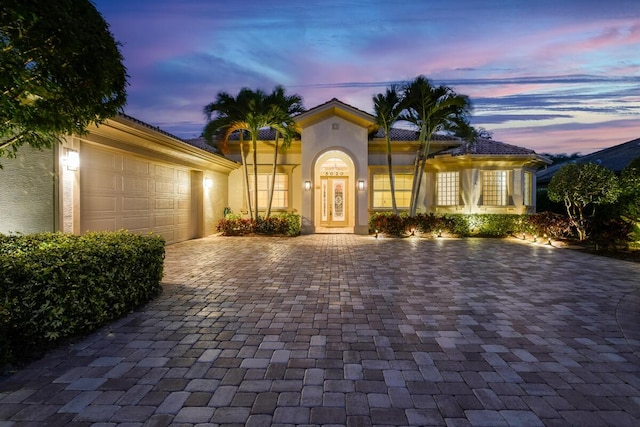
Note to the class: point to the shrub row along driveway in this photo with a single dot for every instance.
(350, 330)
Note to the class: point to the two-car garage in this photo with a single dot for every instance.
(122, 191)
(135, 177)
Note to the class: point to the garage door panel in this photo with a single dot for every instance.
(135, 184)
(135, 203)
(101, 159)
(164, 220)
(101, 203)
(164, 172)
(136, 223)
(135, 166)
(161, 204)
(98, 180)
(164, 188)
(100, 224)
(125, 191)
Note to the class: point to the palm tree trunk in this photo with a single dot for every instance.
(423, 164)
(392, 184)
(245, 174)
(273, 177)
(417, 178)
(254, 143)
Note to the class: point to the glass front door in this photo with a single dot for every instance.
(334, 201)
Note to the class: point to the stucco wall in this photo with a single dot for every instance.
(215, 200)
(27, 198)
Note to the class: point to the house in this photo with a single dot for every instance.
(614, 158)
(335, 175)
(134, 176)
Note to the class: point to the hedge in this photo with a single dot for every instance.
(283, 224)
(55, 286)
(466, 225)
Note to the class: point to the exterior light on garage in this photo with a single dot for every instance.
(208, 183)
(361, 184)
(307, 185)
(71, 160)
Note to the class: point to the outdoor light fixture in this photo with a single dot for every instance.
(71, 160)
(307, 185)
(361, 184)
(208, 183)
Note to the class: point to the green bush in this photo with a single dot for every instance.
(389, 223)
(550, 224)
(462, 225)
(283, 224)
(54, 286)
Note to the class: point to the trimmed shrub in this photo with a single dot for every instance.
(389, 223)
(54, 286)
(550, 223)
(462, 225)
(283, 224)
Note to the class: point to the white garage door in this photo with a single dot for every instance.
(121, 191)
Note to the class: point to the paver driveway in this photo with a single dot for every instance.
(350, 330)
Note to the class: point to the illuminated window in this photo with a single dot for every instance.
(280, 190)
(382, 190)
(494, 188)
(447, 188)
(528, 188)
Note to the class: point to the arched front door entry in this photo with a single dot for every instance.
(335, 201)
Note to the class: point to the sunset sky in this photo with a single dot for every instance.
(557, 76)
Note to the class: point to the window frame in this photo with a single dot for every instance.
(499, 188)
(385, 178)
(449, 187)
(266, 170)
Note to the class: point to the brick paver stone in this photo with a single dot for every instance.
(346, 330)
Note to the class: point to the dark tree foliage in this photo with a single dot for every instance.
(580, 186)
(60, 71)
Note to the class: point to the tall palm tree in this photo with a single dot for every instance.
(432, 109)
(387, 108)
(288, 106)
(221, 115)
(249, 112)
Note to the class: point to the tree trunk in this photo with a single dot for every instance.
(273, 177)
(423, 164)
(254, 143)
(392, 184)
(245, 174)
(417, 176)
(414, 185)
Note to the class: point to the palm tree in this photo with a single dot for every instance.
(288, 106)
(432, 109)
(387, 108)
(221, 115)
(249, 112)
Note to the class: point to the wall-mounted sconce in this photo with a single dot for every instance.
(71, 159)
(208, 183)
(307, 185)
(361, 184)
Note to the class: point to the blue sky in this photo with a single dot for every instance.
(557, 76)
